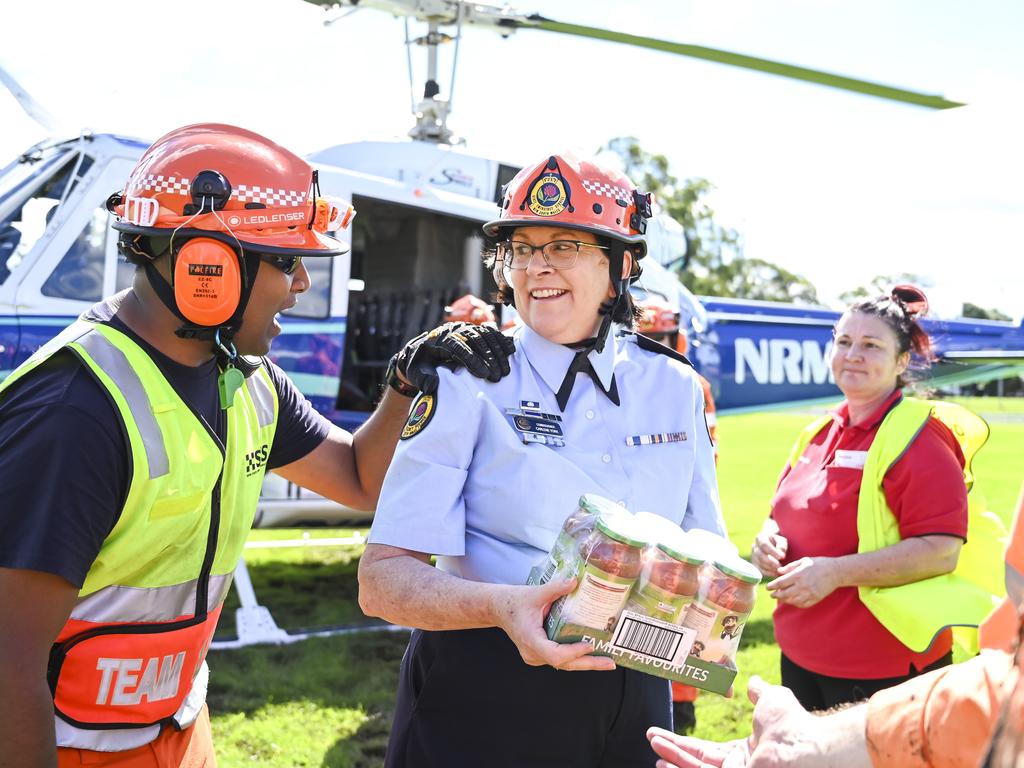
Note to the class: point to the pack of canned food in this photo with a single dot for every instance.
(651, 596)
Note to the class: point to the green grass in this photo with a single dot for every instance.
(321, 702)
(304, 587)
(328, 701)
(1000, 464)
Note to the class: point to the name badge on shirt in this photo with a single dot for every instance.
(850, 459)
(536, 427)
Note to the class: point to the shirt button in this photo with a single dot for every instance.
(606, 458)
(590, 414)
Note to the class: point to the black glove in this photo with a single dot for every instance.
(481, 349)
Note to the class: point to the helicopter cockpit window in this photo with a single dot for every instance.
(21, 229)
(79, 275)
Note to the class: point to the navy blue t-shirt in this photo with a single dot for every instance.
(65, 462)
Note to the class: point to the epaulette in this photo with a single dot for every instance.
(650, 345)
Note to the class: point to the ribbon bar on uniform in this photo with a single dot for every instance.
(662, 437)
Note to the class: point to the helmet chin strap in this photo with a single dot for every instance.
(609, 306)
(606, 311)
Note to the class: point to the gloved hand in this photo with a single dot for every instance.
(482, 350)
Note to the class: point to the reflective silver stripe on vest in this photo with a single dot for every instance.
(114, 363)
(131, 604)
(106, 740)
(262, 397)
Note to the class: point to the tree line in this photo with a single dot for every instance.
(715, 264)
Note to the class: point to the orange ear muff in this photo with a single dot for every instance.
(207, 281)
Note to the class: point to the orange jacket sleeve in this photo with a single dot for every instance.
(942, 719)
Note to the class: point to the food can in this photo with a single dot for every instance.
(728, 587)
(612, 558)
(577, 528)
(669, 581)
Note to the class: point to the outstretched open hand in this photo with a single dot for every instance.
(781, 737)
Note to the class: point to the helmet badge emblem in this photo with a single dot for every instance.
(548, 195)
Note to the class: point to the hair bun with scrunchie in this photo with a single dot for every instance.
(911, 298)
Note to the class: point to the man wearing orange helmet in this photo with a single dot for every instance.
(588, 407)
(133, 448)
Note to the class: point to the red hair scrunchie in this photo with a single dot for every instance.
(912, 298)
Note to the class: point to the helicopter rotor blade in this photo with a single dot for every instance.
(32, 107)
(768, 66)
(506, 20)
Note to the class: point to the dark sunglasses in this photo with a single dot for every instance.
(286, 263)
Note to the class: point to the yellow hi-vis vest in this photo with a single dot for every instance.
(131, 657)
(917, 612)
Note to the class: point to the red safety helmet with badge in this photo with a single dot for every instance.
(224, 199)
(565, 191)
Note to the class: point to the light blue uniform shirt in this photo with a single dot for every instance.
(468, 489)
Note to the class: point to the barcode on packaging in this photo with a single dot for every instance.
(653, 639)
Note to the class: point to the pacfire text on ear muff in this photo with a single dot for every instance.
(207, 281)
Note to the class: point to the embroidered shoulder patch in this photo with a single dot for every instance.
(419, 416)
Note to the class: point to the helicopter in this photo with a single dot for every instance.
(415, 247)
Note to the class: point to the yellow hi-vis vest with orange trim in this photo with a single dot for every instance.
(131, 657)
(917, 612)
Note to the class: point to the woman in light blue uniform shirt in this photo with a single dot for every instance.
(486, 473)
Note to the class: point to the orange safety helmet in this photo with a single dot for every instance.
(222, 195)
(564, 191)
(658, 317)
(187, 177)
(470, 309)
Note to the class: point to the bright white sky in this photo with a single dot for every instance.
(834, 186)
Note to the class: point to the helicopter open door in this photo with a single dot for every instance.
(409, 264)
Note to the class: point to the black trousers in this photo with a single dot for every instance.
(465, 698)
(818, 692)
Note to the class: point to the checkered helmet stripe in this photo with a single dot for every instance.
(159, 183)
(607, 190)
(273, 198)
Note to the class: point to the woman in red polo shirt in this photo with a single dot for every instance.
(834, 650)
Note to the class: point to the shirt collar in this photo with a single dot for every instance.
(552, 360)
(842, 413)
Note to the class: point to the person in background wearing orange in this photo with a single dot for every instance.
(660, 321)
(470, 309)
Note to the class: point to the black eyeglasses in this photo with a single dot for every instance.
(558, 254)
(287, 263)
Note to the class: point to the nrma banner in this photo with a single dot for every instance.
(767, 355)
